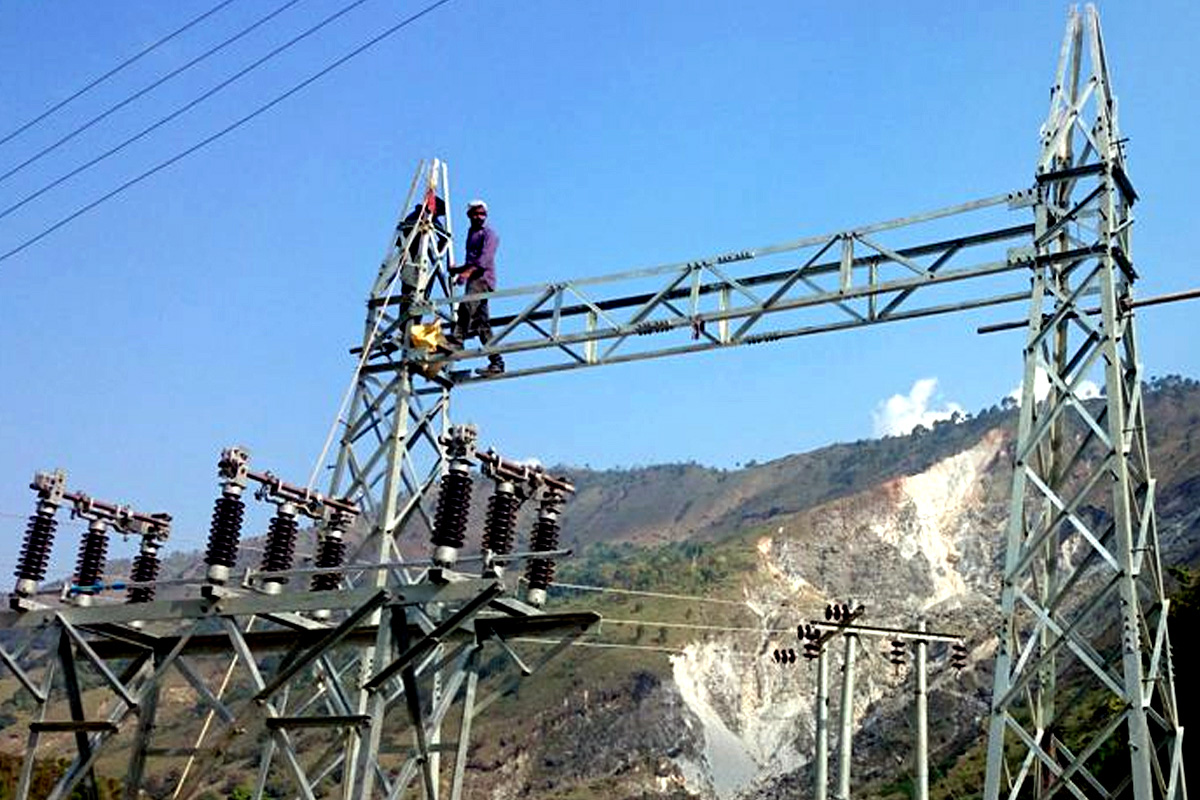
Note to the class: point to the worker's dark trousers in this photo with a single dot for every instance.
(474, 319)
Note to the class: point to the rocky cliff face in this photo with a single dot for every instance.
(924, 544)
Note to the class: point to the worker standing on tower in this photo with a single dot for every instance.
(478, 272)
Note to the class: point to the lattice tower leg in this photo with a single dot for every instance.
(1083, 699)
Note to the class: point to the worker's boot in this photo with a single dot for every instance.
(495, 367)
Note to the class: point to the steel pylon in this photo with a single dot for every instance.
(362, 685)
(1083, 699)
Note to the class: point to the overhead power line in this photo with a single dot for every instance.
(115, 70)
(154, 85)
(227, 129)
(650, 623)
(662, 595)
(185, 107)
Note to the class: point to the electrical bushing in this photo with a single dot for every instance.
(331, 552)
(454, 498)
(93, 555)
(39, 533)
(225, 533)
(539, 574)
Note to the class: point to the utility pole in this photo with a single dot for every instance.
(922, 753)
(821, 759)
(846, 728)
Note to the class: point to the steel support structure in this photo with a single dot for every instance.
(1083, 699)
(403, 637)
(355, 688)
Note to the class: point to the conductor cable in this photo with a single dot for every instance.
(227, 129)
(144, 90)
(187, 107)
(96, 82)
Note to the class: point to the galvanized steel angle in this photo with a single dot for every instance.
(659, 298)
(1147, 537)
(1092, 146)
(265, 709)
(11, 662)
(98, 663)
(661, 295)
(785, 286)
(552, 291)
(1067, 121)
(1081, 648)
(554, 337)
(100, 742)
(435, 636)
(1040, 432)
(1075, 521)
(205, 693)
(1065, 219)
(511, 683)
(1153, 670)
(373, 395)
(1078, 763)
(734, 284)
(299, 658)
(1046, 529)
(892, 255)
(1034, 750)
(835, 297)
(938, 263)
(1067, 307)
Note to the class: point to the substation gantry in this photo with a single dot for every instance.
(1083, 603)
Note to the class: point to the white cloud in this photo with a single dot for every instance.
(1085, 390)
(899, 414)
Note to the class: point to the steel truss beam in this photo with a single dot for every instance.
(843, 280)
(1084, 699)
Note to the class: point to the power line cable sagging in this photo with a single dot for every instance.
(208, 139)
(140, 93)
(97, 81)
(186, 107)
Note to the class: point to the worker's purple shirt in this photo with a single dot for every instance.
(482, 244)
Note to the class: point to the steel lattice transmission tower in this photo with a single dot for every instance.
(1084, 659)
(390, 450)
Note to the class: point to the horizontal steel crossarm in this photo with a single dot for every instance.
(303, 658)
(435, 636)
(887, 633)
(776, 302)
(786, 247)
(719, 316)
(770, 336)
(569, 637)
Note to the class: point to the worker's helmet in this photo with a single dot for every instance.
(477, 204)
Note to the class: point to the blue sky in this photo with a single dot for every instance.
(215, 302)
